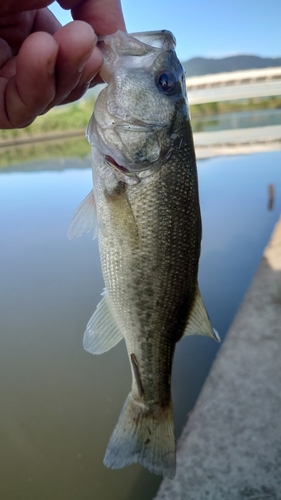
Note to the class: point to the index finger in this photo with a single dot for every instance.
(105, 16)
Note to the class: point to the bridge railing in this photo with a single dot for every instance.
(234, 85)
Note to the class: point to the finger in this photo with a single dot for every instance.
(16, 6)
(46, 21)
(33, 87)
(105, 16)
(5, 54)
(77, 61)
(86, 79)
(15, 27)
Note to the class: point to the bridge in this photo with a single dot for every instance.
(234, 85)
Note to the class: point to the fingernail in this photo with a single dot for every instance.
(83, 62)
(51, 64)
(93, 66)
(87, 56)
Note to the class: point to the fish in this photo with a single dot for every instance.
(144, 209)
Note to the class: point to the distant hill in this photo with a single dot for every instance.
(203, 66)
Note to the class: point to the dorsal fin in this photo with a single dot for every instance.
(198, 321)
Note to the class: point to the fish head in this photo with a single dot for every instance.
(137, 120)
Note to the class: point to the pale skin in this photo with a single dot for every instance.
(43, 64)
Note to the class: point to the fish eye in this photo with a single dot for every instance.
(166, 80)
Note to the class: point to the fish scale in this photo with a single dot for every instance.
(145, 206)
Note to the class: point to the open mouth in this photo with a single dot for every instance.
(111, 160)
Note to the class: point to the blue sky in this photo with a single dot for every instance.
(208, 28)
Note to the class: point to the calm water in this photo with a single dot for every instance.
(59, 404)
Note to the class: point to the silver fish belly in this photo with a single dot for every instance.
(144, 207)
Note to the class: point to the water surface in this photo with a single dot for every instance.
(59, 404)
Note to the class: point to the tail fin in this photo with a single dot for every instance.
(143, 436)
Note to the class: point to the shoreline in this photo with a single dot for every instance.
(207, 144)
(48, 136)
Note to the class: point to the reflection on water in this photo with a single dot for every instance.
(18, 154)
(59, 404)
(231, 121)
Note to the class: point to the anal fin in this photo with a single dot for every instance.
(199, 322)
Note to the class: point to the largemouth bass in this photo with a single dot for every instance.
(144, 207)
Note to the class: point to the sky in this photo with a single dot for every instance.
(206, 28)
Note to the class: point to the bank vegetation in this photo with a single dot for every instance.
(43, 137)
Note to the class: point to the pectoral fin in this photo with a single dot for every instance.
(101, 333)
(199, 322)
(84, 218)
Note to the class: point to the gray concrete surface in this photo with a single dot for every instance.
(230, 448)
(237, 141)
(252, 135)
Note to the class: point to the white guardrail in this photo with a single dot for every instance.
(234, 85)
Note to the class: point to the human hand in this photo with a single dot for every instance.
(43, 64)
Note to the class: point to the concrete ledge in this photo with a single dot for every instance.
(233, 149)
(238, 136)
(230, 448)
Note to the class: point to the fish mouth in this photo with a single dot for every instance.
(118, 44)
(111, 160)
